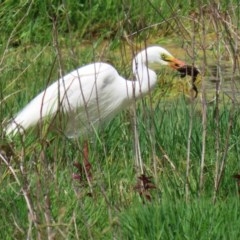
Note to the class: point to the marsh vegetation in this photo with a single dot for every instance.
(190, 147)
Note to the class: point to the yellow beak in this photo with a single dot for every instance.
(175, 63)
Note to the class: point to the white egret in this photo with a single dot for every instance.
(93, 93)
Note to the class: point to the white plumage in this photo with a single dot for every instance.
(92, 94)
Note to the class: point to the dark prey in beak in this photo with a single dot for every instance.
(191, 71)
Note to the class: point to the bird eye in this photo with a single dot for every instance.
(164, 57)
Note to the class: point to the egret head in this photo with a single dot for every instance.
(155, 56)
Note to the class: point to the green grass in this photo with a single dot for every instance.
(175, 219)
(40, 170)
(115, 209)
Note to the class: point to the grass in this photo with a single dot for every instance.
(38, 197)
(175, 219)
(115, 209)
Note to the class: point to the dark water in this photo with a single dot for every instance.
(224, 80)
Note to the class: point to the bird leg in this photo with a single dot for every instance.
(85, 168)
(86, 164)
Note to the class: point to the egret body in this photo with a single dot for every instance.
(93, 93)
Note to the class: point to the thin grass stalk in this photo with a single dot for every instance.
(203, 105)
(204, 135)
(151, 129)
(189, 141)
(153, 146)
(45, 193)
(225, 153)
(59, 59)
(214, 10)
(75, 226)
(48, 217)
(33, 217)
(217, 145)
(137, 149)
(188, 160)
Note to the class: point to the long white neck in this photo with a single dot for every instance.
(145, 78)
